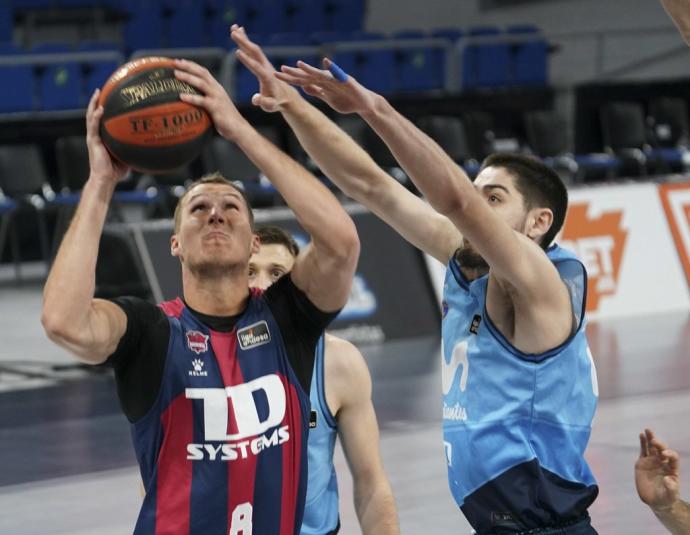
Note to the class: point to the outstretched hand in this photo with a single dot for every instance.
(657, 473)
(101, 164)
(341, 92)
(273, 94)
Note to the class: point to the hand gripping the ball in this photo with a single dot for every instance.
(102, 165)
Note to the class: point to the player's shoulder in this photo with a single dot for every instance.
(343, 358)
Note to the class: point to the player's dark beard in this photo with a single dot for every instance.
(470, 259)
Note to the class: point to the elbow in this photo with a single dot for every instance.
(56, 328)
(349, 245)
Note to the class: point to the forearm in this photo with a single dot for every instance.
(342, 160)
(679, 11)
(375, 507)
(71, 283)
(676, 519)
(316, 208)
(438, 177)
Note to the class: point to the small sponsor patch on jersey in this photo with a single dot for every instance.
(197, 342)
(253, 336)
(312, 420)
(444, 309)
(474, 326)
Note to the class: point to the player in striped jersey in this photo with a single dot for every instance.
(215, 385)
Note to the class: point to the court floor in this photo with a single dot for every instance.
(67, 467)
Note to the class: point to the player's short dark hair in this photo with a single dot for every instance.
(540, 186)
(213, 178)
(272, 235)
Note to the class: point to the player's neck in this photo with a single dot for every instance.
(217, 296)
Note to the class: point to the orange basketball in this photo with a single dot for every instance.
(144, 123)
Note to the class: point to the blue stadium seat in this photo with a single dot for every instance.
(144, 28)
(451, 34)
(19, 95)
(375, 69)
(60, 86)
(8, 49)
(98, 46)
(96, 74)
(529, 63)
(305, 16)
(184, 28)
(22, 5)
(319, 38)
(343, 15)
(288, 39)
(419, 69)
(59, 83)
(5, 23)
(485, 64)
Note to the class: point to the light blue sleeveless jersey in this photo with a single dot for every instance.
(515, 425)
(321, 514)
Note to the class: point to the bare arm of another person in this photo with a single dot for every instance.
(657, 478)
(325, 269)
(679, 11)
(349, 166)
(87, 327)
(516, 261)
(348, 385)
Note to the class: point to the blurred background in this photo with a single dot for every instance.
(599, 90)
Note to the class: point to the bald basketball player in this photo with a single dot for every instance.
(214, 384)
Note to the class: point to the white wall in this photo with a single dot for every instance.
(582, 56)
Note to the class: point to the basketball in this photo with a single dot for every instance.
(145, 124)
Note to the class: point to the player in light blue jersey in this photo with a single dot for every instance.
(519, 384)
(341, 406)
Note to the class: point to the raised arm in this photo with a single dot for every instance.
(679, 11)
(348, 382)
(87, 327)
(349, 166)
(325, 270)
(514, 258)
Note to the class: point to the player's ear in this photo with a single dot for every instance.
(539, 222)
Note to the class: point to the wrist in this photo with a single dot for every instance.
(667, 509)
(375, 107)
(236, 130)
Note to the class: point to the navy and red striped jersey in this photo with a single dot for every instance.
(222, 450)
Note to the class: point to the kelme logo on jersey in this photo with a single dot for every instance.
(197, 342)
(254, 336)
(198, 369)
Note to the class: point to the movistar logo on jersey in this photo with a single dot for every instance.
(254, 336)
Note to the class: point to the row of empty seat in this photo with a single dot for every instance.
(55, 76)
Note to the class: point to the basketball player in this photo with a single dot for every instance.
(518, 380)
(215, 385)
(657, 478)
(340, 405)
